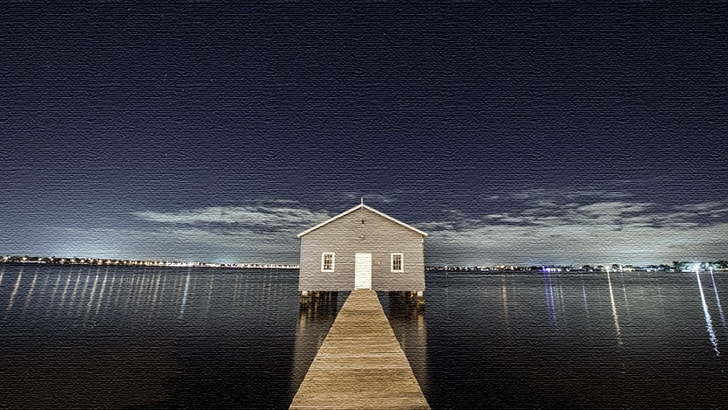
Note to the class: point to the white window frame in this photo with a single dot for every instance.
(401, 262)
(323, 262)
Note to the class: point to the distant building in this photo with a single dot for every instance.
(362, 248)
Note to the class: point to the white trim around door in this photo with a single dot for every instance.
(363, 271)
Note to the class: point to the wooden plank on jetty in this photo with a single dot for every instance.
(360, 364)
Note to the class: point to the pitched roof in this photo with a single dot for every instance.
(361, 206)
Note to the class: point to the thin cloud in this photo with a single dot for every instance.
(254, 232)
(705, 206)
(614, 207)
(591, 231)
(598, 244)
(269, 218)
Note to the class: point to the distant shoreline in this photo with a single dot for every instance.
(688, 267)
(35, 260)
(676, 266)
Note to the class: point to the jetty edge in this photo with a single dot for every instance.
(360, 364)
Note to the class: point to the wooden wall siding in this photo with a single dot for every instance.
(348, 235)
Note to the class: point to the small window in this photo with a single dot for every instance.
(397, 262)
(327, 262)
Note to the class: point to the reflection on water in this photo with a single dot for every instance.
(111, 336)
(406, 314)
(599, 340)
(105, 336)
(316, 314)
(615, 315)
(586, 302)
(15, 291)
(504, 299)
(717, 299)
(89, 291)
(551, 292)
(184, 295)
(708, 319)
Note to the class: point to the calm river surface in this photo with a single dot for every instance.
(81, 336)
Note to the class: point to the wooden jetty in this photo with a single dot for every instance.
(360, 364)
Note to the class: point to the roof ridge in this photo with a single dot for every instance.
(360, 206)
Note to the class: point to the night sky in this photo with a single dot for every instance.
(545, 133)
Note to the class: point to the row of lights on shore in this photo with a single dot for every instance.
(117, 262)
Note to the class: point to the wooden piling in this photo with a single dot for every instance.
(360, 364)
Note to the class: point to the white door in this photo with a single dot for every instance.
(363, 271)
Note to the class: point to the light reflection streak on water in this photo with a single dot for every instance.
(149, 291)
(163, 280)
(44, 286)
(659, 295)
(184, 296)
(236, 290)
(156, 289)
(140, 291)
(83, 293)
(145, 291)
(708, 320)
(55, 290)
(111, 291)
(142, 294)
(30, 291)
(14, 292)
(147, 306)
(130, 294)
(101, 292)
(117, 289)
(92, 295)
(550, 304)
(717, 299)
(177, 287)
(65, 288)
(209, 293)
(624, 293)
(75, 289)
(586, 303)
(614, 311)
(76, 303)
(504, 297)
(155, 295)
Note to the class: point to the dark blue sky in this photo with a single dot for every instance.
(538, 133)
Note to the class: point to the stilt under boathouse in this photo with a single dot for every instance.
(362, 248)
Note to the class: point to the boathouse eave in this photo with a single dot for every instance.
(361, 206)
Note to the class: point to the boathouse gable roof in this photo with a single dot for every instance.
(361, 206)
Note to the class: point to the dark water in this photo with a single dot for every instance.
(577, 340)
(74, 336)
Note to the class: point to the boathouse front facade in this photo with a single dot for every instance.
(362, 248)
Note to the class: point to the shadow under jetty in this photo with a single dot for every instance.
(406, 313)
(317, 312)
